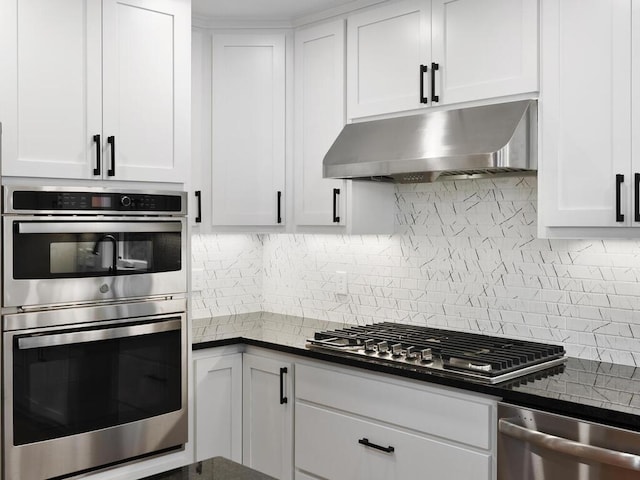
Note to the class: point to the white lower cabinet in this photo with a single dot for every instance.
(267, 435)
(361, 426)
(218, 405)
(341, 446)
(349, 424)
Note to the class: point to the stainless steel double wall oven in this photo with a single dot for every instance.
(94, 328)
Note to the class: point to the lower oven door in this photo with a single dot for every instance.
(82, 395)
(535, 445)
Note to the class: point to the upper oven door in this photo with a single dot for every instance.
(67, 260)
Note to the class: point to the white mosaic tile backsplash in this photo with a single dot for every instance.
(465, 256)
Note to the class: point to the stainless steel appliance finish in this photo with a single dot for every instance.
(474, 357)
(94, 328)
(535, 445)
(59, 401)
(463, 143)
(91, 245)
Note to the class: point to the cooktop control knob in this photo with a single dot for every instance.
(369, 346)
(125, 201)
(411, 353)
(425, 355)
(383, 347)
(396, 349)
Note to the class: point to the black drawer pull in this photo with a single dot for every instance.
(279, 207)
(96, 139)
(199, 197)
(637, 196)
(367, 443)
(423, 70)
(619, 182)
(112, 141)
(336, 217)
(434, 67)
(283, 399)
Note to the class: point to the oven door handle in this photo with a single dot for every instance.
(57, 339)
(570, 447)
(97, 227)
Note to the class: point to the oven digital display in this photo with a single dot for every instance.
(100, 201)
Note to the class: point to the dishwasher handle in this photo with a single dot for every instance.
(569, 447)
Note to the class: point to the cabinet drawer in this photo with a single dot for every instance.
(328, 444)
(445, 414)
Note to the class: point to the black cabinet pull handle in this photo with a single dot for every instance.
(336, 218)
(367, 443)
(279, 207)
(637, 196)
(283, 399)
(423, 70)
(96, 139)
(112, 141)
(198, 218)
(619, 182)
(434, 68)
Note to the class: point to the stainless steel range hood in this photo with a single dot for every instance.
(463, 143)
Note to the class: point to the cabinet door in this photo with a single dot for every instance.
(200, 213)
(248, 127)
(218, 412)
(50, 87)
(385, 48)
(635, 107)
(485, 48)
(268, 416)
(319, 118)
(146, 89)
(585, 112)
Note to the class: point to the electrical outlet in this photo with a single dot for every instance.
(341, 283)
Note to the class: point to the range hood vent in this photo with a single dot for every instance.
(472, 142)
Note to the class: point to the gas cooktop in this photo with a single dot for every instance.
(475, 357)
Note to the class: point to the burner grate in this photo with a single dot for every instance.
(482, 354)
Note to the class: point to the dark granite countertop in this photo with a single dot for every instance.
(587, 389)
(217, 468)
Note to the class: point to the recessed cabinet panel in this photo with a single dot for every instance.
(385, 48)
(218, 407)
(320, 111)
(343, 447)
(146, 106)
(50, 87)
(268, 416)
(635, 106)
(485, 48)
(585, 114)
(248, 129)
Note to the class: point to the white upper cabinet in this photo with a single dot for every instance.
(248, 129)
(386, 47)
(50, 87)
(585, 177)
(484, 49)
(319, 118)
(146, 65)
(81, 77)
(343, 205)
(419, 53)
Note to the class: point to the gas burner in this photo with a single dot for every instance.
(480, 358)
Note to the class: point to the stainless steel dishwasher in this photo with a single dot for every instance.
(535, 445)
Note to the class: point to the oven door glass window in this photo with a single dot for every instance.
(44, 255)
(66, 389)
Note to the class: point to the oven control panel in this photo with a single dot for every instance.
(53, 201)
